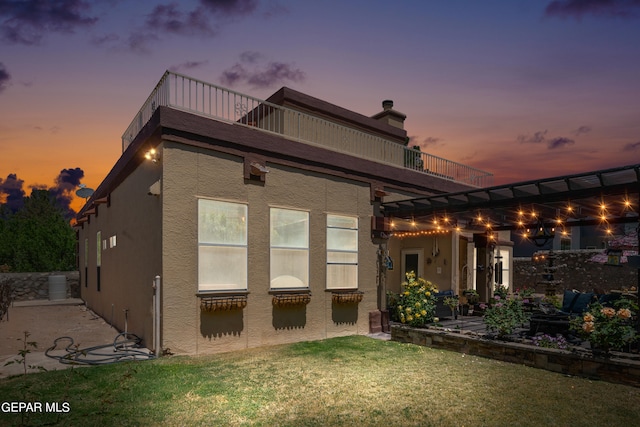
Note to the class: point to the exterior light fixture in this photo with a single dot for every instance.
(542, 234)
(152, 155)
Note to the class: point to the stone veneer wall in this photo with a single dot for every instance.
(34, 286)
(579, 273)
(584, 364)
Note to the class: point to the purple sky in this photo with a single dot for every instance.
(524, 89)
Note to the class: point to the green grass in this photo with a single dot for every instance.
(342, 381)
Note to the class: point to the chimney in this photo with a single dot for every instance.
(390, 116)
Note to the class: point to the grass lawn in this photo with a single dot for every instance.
(341, 381)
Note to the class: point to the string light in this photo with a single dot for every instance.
(403, 234)
(443, 223)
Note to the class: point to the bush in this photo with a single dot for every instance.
(608, 328)
(417, 302)
(504, 315)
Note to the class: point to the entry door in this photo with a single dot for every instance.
(412, 260)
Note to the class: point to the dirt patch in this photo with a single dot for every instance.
(45, 323)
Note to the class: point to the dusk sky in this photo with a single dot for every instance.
(524, 89)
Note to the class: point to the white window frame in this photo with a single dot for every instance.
(335, 251)
(222, 255)
(294, 272)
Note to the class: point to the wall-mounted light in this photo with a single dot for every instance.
(152, 155)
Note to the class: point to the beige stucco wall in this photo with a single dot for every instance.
(191, 173)
(438, 269)
(128, 269)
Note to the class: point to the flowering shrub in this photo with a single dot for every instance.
(607, 328)
(417, 301)
(525, 292)
(504, 315)
(548, 341)
(501, 291)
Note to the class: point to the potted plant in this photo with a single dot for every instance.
(452, 303)
(472, 296)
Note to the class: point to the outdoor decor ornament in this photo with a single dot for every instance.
(541, 235)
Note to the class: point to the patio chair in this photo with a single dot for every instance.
(442, 310)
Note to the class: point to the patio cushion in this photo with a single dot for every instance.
(447, 293)
(568, 300)
(608, 299)
(576, 302)
(582, 302)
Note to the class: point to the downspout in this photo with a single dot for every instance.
(156, 322)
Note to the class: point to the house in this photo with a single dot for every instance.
(231, 222)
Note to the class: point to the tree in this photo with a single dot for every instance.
(37, 237)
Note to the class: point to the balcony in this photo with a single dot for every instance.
(205, 99)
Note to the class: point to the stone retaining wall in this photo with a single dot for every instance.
(579, 273)
(34, 286)
(583, 364)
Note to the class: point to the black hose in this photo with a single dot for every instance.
(126, 346)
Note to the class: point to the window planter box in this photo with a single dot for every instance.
(353, 297)
(291, 299)
(223, 303)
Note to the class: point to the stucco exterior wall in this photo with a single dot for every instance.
(193, 173)
(128, 269)
(438, 269)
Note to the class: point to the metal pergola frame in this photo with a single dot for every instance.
(609, 196)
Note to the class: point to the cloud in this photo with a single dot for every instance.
(578, 8)
(63, 190)
(559, 143)
(275, 73)
(429, 141)
(139, 41)
(27, 22)
(188, 65)
(168, 18)
(4, 77)
(171, 18)
(260, 77)
(632, 146)
(12, 192)
(105, 39)
(581, 130)
(536, 138)
(231, 7)
(250, 57)
(233, 75)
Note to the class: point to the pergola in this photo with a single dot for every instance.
(539, 208)
(609, 196)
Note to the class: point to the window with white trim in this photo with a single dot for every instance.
(289, 248)
(342, 252)
(222, 245)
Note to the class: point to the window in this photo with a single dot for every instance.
(501, 268)
(98, 258)
(86, 262)
(112, 241)
(222, 246)
(289, 252)
(342, 252)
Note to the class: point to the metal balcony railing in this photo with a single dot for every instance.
(208, 100)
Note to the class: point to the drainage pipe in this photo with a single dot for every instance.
(156, 312)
